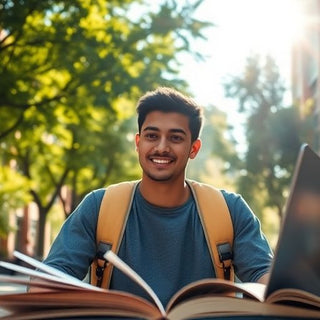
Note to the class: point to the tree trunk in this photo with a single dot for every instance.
(41, 233)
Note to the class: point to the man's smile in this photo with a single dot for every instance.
(161, 161)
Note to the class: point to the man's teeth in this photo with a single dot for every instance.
(160, 161)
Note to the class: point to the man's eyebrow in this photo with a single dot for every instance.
(173, 130)
(178, 131)
(151, 129)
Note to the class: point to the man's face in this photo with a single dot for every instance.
(164, 146)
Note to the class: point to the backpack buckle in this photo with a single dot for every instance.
(103, 247)
(225, 256)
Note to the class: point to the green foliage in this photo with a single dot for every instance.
(14, 193)
(222, 139)
(217, 162)
(274, 134)
(71, 72)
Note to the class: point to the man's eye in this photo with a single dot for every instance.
(176, 138)
(151, 136)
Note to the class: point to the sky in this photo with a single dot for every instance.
(243, 27)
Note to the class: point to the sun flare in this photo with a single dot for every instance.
(266, 26)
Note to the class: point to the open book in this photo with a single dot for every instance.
(293, 290)
(65, 296)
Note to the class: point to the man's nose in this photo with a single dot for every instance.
(162, 145)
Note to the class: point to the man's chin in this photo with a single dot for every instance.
(159, 178)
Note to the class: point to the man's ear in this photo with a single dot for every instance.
(195, 147)
(137, 139)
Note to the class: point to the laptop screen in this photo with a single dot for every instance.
(297, 257)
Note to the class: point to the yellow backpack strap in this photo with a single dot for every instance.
(217, 225)
(114, 211)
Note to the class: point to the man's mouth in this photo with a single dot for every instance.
(161, 161)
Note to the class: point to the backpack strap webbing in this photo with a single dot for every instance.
(217, 225)
(114, 211)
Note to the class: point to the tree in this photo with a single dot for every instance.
(274, 133)
(217, 162)
(71, 72)
(13, 194)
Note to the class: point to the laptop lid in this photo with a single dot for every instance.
(297, 257)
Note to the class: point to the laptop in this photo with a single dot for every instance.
(297, 257)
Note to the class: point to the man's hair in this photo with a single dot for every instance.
(166, 99)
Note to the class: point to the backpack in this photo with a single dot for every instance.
(114, 211)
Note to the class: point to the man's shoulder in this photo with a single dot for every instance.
(118, 185)
(94, 197)
(228, 194)
(234, 200)
(122, 184)
(97, 192)
(114, 190)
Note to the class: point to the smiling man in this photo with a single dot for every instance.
(164, 146)
(163, 240)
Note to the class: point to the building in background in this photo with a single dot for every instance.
(306, 66)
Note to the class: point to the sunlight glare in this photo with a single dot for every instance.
(242, 28)
(270, 27)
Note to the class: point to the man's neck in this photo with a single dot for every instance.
(165, 194)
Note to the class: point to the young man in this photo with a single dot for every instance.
(163, 240)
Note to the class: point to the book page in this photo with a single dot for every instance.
(292, 295)
(111, 302)
(218, 287)
(45, 276)
(43, 267)
(36, 282)
(53, 271)
(230, 307)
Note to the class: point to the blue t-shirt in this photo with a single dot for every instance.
(165, 246)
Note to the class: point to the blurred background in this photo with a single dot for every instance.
(71, 73)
